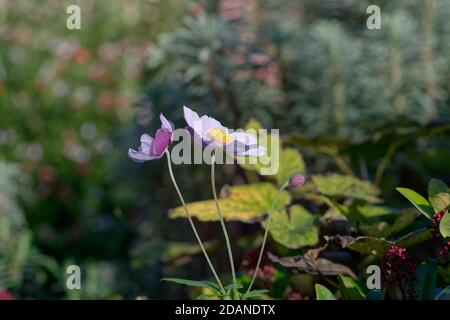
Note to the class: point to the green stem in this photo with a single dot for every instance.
(222, 223)
(265, 238)
(169, 164)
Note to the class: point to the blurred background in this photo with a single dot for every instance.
(374, 103)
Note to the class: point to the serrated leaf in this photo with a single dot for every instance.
(444, 225)
(293, 230)
(342, 186)
(426, 280)
(194, 283)
(322, 293)
(383, 229)
(245, 203)
(418, 201)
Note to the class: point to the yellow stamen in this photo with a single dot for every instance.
(220, 136)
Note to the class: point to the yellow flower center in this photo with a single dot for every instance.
(220, 136)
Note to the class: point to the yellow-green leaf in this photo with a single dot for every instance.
(293, 230)
(342, 186)
(323, 293)
(285, 161)
(291, 162)
(444, 225)
(440, 201)
(438, 194)
(267, 164)
(246, 203)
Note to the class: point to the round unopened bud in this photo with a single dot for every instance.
(296, 180)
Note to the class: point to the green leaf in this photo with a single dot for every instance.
(415, 237)
(342, 186)
(418, 201)
(287, 160)
(322, 293)
(444, 272)
(440, 201)
(444, 294)
(444, 225)
(291, 162)
(366, 245)
(369, 213)
(145, 252)
(272, 157)
(257, 293)
(383, 229)
(246, 203)
(231, 286)
(438, 194)
(436, 186)
(351, 289)
(293, 230)
(357, 214)
(209, 297)
(194, 283)
(426, 280)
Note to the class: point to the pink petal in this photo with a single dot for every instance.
(146, 143)
(163, 139)
(166, 124)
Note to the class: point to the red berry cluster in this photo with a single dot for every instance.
(435, 223)
(398, 270)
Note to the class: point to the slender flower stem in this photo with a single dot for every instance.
(265, 238)
(169, 164)
(222, 223)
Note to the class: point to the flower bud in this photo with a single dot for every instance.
(296, 180)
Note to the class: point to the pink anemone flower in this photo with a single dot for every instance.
(154, 148)
(207, 130)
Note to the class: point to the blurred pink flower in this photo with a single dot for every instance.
(6, 295)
